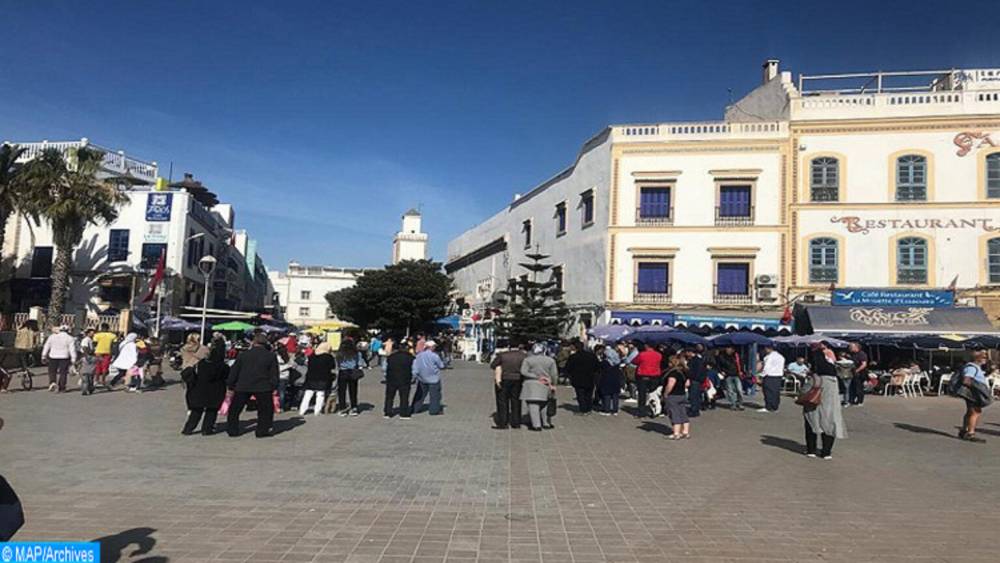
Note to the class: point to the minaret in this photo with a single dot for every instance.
(409, 243)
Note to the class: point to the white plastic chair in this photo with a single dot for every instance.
(945, 379)
(911, 387)
(791, 383)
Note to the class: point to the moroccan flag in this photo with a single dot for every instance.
(157, 278)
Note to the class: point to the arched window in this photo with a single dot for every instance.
(823, 260)
(911, 178)
(824, 179)
(911, 261)
(993, 260)
(993, 175)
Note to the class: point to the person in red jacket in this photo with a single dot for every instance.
(647, 373)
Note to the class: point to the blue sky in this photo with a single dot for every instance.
(323, 121)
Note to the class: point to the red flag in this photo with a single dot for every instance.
(786, 317)
(157, 278)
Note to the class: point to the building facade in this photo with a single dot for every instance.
(301, 291)
(888, 180)
(410, 243)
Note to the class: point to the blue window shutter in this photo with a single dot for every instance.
(654, 202)
(733, 279)
(734, 201)
(653, 277)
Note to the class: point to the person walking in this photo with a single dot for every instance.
(773, 372)
(319, 379)
(86, 367)
(856, 394)
(539, 373)
(970, 385)
(696, 375)
(825, 421)
(349, 362)
(583, 369)
(128, 356)
(398, 377)
(507, 387)
(59, 351)
(375, 347)
(206, 388)
(255, 374)
(675, 397)
(426, 369)
(562, 357)
(26, 341)
(609, 387)
(647, 374)
(103, 341)
(729, 368)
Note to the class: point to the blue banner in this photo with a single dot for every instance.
(158, 206)
(721, 321)
(856, 296)
(58, 552)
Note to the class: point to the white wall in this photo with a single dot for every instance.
(290, 287)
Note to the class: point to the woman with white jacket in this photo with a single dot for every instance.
(128, 357)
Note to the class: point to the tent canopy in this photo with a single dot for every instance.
(968, 321)
(233, 326)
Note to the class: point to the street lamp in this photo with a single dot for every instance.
(205, 266)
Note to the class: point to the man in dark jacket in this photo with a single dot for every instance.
(507, 387)
(696, 373)
(583, 368)
(398, 376)
(255, 373)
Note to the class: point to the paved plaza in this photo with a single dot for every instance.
(114, 466)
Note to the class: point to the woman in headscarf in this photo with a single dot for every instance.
(190, 352)
(825, 421)
(319, 378)
(207, 388)
(539, 372)
(128, 357)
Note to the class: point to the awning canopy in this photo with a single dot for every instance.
(964, 321)
(705, 320)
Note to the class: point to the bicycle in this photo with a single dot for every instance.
(7, 376)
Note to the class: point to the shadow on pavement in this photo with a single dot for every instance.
(921, 430)
(283, 425)
(114, 546)
(782, 443)
(657, 427)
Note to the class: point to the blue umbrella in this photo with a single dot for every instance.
(665, 335)
(611, 333)
(740, 339)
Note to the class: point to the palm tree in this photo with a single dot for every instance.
(10, 183)
(70, 194)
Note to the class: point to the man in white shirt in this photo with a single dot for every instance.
(773, 372)
(60, 351)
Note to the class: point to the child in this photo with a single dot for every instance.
(137, 372)
(711, 385)
(87, 369)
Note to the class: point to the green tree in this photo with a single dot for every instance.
(70, 193)
(11, 183)
(404, 296)
(532, 309)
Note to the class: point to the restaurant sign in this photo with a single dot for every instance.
(881, 318)
(158, 206)
(864, 226)
(932, 298)
(968, 140)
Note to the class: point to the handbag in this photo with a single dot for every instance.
(813, 396)
(550, 406)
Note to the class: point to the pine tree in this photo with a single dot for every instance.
(532, 310)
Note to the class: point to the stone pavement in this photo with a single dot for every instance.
(114, 466)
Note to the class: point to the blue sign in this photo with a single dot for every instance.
(158, 206)
(857, 296)
(703, 320)
(61, 552)
(641, 318)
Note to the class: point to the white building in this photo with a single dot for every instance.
(409, 243)
(112, 267)
(887, 180)
(301, 291)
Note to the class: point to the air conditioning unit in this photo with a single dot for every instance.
(767, 280)
(766, 294)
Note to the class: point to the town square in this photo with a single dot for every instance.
(413, 282)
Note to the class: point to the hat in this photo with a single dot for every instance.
(430, 344)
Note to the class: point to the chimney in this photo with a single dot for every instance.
(770, 70)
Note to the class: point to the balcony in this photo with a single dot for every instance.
(115, 162)
(650, 298)
(661, 220)
(731, 298)
(733, 220)
(707, 130)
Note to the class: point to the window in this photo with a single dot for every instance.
(654, 205)
(734, 205)
(732, 282)
(41, 262)
(526, 229)
(303, 311)
(561, 218)
(305, 295)
(557, 277)
(151, 255)
(118, 245)
(587, 207)
(911, 260)
(822, 260)
(911, 178)
(824, 179)
(993, 175)
(329, 313)
(652, 281)
(993, 260)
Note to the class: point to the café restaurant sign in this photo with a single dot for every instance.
(853, 296)
(856, 224)
(968, 140)
(881, 318)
